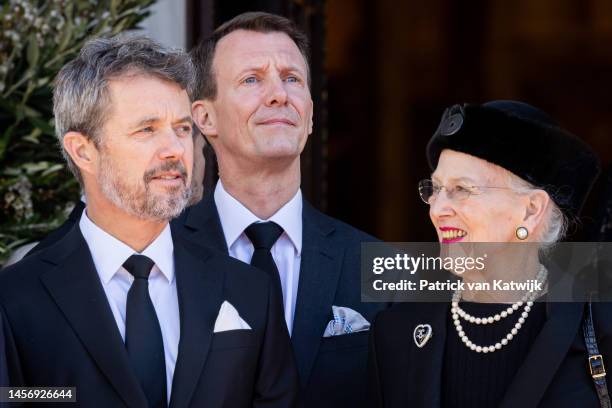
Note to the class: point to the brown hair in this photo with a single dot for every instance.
(203, 54)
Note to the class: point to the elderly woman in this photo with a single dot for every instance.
(503, 172)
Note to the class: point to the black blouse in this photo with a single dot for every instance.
(475, 380)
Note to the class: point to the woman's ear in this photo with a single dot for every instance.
(81, 150)
(204, 117)
(538, 202)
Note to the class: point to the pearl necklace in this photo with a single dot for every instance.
(526, 300)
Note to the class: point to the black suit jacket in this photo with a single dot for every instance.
(332, 370)
(61, 332)
(554, 373)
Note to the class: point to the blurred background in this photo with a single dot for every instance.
(383, 73)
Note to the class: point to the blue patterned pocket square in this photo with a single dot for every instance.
(346, 321)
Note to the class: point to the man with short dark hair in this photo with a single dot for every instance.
(119, 307)
(255, 108)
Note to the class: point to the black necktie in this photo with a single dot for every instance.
(263, 235)
(143, 338)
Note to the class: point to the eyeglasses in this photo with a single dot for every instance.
(429, 191)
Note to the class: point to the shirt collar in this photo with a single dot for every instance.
(235, 217)
(109, 253)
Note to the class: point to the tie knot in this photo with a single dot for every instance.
(263, 235)
(139, 266)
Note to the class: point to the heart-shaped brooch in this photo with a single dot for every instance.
(421, 335)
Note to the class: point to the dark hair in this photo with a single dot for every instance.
(203, 54)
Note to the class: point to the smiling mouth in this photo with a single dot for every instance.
(451, 234)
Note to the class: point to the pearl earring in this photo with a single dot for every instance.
(522, 233)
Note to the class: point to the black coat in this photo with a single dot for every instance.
(61, 332)
(554, 373)
(332, 370)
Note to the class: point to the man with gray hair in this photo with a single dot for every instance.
(119, 308)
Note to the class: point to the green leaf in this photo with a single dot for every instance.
(11, 171)
(134, 11)
(68, 10)
(6, 136)
(42, 81)
(30, 112)
(114, 4)
(65, 36)
(33, 52)
(19, 112)
(53, 169)
(120, 26)
(33, 136)
(17, 243)
(31, 168)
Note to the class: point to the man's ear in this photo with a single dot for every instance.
(81, 150)
(310, 121)
(204, 117)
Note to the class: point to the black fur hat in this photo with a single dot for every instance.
(525, 141)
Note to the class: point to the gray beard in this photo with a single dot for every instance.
(139, 200)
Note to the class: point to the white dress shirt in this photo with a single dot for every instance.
(109, 254)
(287, 251)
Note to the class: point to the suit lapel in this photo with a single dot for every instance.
(202, 225)
(545, 356)
(319, 274)
(200, 296)
(75, 287)
(76, 212)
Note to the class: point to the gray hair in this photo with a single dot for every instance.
(555, 221)
(81, 99)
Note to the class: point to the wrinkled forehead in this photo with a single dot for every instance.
(456, 166)
(242, 48)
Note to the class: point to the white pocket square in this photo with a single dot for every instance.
(346, 321)
(229, 319)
